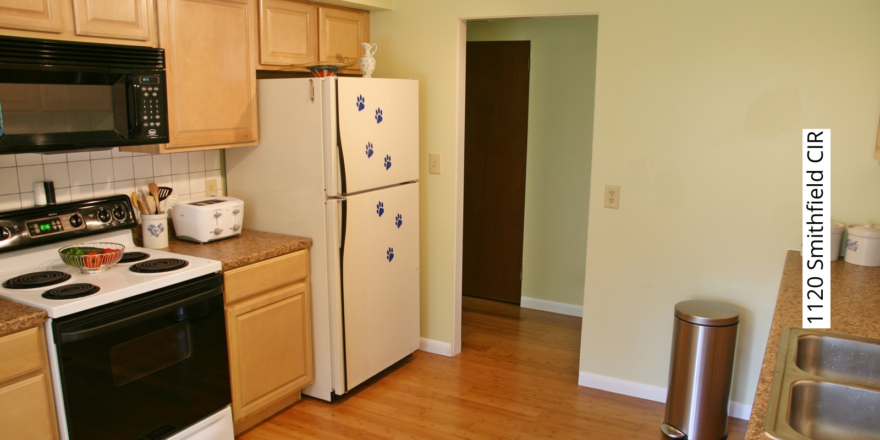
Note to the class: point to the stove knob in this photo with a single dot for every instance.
(236, 227)
(217, 231)
(4, 233)
(118, 213)
(104, 215)
(75, 221)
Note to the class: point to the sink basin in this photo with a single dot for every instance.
(846, 360)
(830, 411)
(826, 386)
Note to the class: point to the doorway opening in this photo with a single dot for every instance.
(550, 245)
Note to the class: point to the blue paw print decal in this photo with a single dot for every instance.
(398, 220)
(390, 254)
(380, 209)
(156, 230)
(387, 161)
(378, 115)
(360, 102)
(369, 150)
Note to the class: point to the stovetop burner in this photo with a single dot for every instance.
(131, 257)
(71, 291)
(159, 265)
(36, 279)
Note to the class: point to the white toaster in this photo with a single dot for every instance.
(208, 219)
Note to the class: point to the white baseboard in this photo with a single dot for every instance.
(552, 306)
(436, 347)
(647, 392)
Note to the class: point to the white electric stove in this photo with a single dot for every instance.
(147, 335)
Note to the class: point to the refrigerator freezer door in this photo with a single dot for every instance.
(283, 182)
(380, 279)
(378, 131)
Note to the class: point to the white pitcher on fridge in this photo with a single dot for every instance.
(367, 62)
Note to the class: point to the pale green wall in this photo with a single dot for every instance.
(698, 116)
(560, 143)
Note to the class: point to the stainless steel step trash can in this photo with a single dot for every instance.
(700, 370)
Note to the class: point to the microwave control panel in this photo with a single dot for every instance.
(151, 105)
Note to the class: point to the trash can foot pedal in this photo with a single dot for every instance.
(671, 432)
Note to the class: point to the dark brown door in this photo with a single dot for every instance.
(496, 126)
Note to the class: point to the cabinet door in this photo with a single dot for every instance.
(125, 19)
(211, 72)
(340, 35)
(31, 15)
(270, 348)
(288, 33)
(25, 410)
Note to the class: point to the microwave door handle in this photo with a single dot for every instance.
(134, 104)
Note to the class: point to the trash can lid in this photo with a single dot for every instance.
(704, 312)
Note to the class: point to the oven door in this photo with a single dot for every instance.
(146, 367)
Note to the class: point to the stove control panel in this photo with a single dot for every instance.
(52, 223)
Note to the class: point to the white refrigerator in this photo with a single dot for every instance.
(338, 162)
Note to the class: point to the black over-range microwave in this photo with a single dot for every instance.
(58, 96)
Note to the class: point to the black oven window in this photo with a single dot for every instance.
(56, 108)
(134, 359)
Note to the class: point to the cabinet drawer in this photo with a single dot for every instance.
(20, 353)
(266, 275)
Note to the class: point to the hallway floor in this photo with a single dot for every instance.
(516, 378)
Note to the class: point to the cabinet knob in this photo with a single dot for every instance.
(236, 227)
(217, 231)
(218, 214)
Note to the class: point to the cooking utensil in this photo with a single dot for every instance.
(164, 192)
(151, 205)
(142, 197)
(154, 189)
(95, 263)
(142, 208)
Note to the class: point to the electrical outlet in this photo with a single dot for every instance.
(434, 163)
(211, 188)
(612, 196)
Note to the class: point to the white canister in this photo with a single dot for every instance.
(836, 234)
(863, 245)
(155, 230)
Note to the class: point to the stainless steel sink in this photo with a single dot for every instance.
(826, 386)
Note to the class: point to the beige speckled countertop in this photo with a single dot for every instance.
(16, 317)
(855, 309)
(248, 248)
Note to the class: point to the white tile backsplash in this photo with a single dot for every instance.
(179, 163)
(57, 173)
(28, 175)
(80, 176)
(8, 181)
(123, 169)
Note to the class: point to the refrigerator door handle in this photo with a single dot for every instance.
(312, 89)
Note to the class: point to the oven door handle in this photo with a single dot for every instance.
(91, 332)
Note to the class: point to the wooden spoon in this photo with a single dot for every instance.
(154, 189)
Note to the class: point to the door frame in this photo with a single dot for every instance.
(461, 66)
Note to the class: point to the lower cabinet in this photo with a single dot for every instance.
(270, 338)
(27, 408)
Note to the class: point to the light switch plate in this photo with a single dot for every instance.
(612, 196)
(434, 163)
(210, 187)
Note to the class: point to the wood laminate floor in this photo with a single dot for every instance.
(516, 378)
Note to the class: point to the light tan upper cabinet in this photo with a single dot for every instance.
(269, 327)
(340, 34)
(31, 15)
(27, 409)
(288, 33)
(124, 19)
(211, 74)
(131, 22)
